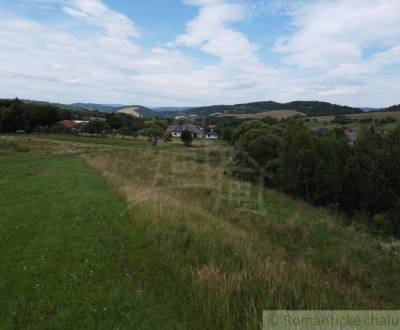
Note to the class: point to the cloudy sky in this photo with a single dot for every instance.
(201, 52)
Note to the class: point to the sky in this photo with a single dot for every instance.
(201, 52)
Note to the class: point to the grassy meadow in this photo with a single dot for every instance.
(134, 236)
(326, 121)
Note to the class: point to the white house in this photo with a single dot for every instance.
(211, 136)
(176, 130)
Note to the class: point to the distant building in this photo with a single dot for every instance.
(211, 134)
(71, 124)
(321, 131)
(383, 131)
(176, 130)
(351, 135)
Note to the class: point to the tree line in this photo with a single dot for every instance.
(18, 115)
(361, 179)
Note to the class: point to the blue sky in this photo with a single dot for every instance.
(199, 52)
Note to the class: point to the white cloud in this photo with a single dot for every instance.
(330, 33)
(108, 66)
(351, 44)
(98, 58)
(95, 12)
(210, 31)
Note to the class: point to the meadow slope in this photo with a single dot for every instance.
(187, 247)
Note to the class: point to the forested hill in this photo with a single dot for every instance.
(393, 108)
(309, 108)
(99, 107)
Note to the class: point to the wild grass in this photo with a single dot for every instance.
(9, 146)
(109, 141)
(239, 248)
(202, 250)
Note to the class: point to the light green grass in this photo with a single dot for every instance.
(70, 254)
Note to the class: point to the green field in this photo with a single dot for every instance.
(326, 121)
(373, 115)
(162, 238)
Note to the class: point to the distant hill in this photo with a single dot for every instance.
(370, 109)
(392, 108)
(99, 107)
(134, 110)
(309, 108)
(139, 111)
(279, 114)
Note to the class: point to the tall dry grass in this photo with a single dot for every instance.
(235, 249)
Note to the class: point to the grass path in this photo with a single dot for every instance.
(69, 252)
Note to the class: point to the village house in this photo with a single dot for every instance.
(351, 135)
(211, 133)
(176, 130)
(72, 124)
(321, 131)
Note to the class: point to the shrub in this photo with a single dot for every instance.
(167, 136)
(187, 138)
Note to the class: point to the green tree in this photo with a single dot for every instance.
(96, 127)
(257, 147)
(187, 138)
(125, 131)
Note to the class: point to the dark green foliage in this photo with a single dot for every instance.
(117, 121)
(310, 108)
(342, 120)
(327, 170)
(167, 136)
(125, 131)
(259, 145)
(96, 127)
(17, 115)
(393, 108)
(37, 116)
(187, 138)
(394, 220)
(154, 129)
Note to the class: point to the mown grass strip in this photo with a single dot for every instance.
(70, 252)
